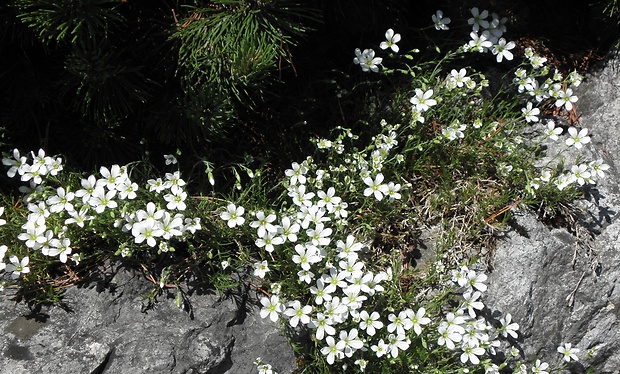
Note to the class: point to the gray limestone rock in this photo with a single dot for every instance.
(104, 328)
(561, 287)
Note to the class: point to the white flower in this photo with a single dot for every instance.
(568, 352)
(508, 328)
(459, 77)
(319, 235)
(598, 168)
(323, 325)
(566, 98)
(174, 179)
(147, 230)
(333, 350)
(305, 276)
(264, 369)
(268, 241)
(176, 199)
(479, 19)
(552, 131)
(475, 280)
(297, 313)
(64, 250)
(537, 61)
(263, 223)
(418, 320)
(530, 113)
(233, 215)
(574, 78)
(540, 367)
(351, 342)
(170, 159)
(328, 199)
(101, 199)
(454, 131)
(297, 173)
(112, 177)
(471, 353)
(61, 201)
(349, 248)
(375, 187)
(440, 22)
(17, 267)
(471, 303)
(580, 174)
(422, 100)
(260, 269)
(15, 163)
(370, 322)
(400, 323)
(448, 335)
(192, 224)
(502, 50)
(271, 308)
(479, 43)
(367, 60)
(577, 139)
(396, 343)
(380, 348)
(288, 230)
(306, 256)
(497, 26)
(390, 41)
(156, 185)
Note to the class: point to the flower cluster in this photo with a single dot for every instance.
(57, 212)
(535, 82)
(338, 292)
(555, 88)
(486, 35)
(366, 59)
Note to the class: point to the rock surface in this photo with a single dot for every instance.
(564, 287)
(104, 328)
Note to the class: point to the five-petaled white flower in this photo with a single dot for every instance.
(577, 139)
(298, 313)
(260, 269)
(375, 187)
(568, 352)
(422, 100)
(17, 266)
(540, 367)
(440, 22)
(418, 320)
(479, 19)
(370, 322)
(390, 41)
(552, 131)
(272, 307)
(566, 99)
(502, 50)
(471, 353)
(367, 60)
(479, 43)
(530, 113)
(508, 327)
(233, 215)
(333, 350)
